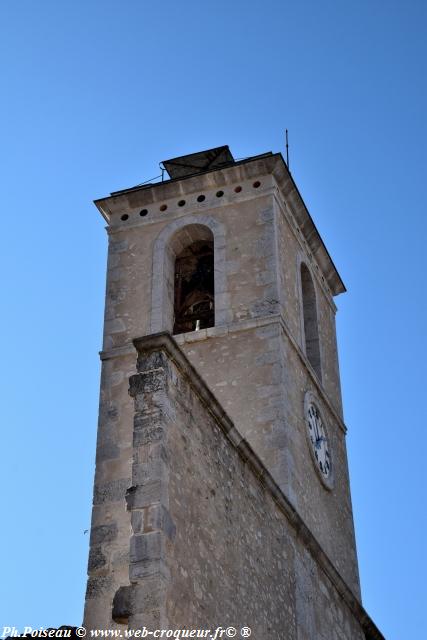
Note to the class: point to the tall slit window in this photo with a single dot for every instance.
(311, 329)
(194, 299)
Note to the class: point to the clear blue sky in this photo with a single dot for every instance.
(95, 94)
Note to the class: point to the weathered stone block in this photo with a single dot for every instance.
(155, 360)
(107, 451)
(103, 533)
(118, 246)
(141, 496)
(149, 595)
(266, 215)
(112, 491)
(97, 559)
(145, 568)
(146, 547)
(147, 382)
(98, 586)
(120, 558)
(157, 518)
(137, 521)
(265, 307)
(151, 453)
(148, 471)
(147, 428)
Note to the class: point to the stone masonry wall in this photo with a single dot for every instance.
(108, 565)
(214, 541)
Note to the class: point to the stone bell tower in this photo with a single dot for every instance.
(220, 283)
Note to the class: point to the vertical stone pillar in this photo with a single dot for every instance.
(143, 603)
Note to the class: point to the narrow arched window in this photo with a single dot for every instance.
(194, 296)
(311, 329)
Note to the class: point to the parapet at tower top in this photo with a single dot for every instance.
(201, 162)
(193, 164)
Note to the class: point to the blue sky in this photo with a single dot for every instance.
(95, 94)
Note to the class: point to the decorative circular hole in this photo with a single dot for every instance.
(163, 207)
(124, 216)
(238, 189)
(201, 198)
(143, 212)
(181, 203)
(256, 184)
(219, 194)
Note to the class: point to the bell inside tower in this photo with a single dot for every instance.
(194, 301)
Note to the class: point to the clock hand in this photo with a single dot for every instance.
(316, 431)
(319, 441)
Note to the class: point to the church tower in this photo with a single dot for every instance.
(221, 489)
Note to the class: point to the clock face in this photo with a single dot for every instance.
(318, 440)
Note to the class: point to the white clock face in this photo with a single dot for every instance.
(318, 440)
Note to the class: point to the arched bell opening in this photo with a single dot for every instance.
(194, 282)
(311, 329)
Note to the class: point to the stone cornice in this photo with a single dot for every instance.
(194, 211)
(242, 325)
(164, 342)
(159, 192)
(268, 164)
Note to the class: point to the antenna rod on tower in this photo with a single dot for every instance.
(287, 150)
